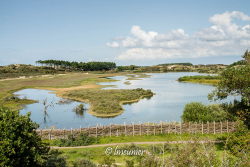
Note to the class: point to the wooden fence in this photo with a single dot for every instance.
(141, 129)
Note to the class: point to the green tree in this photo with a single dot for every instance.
(20, 145)
(235, 81)
(246, 56)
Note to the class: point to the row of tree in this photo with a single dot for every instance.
(79, 66)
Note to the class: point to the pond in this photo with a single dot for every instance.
(166, 105)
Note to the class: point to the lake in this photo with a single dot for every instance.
(166, 105)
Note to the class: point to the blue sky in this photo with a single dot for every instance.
(142, 32)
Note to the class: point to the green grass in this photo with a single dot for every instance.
(98, 153)
(202, 79)
(149, 138)
(107, 103)
(8, 87)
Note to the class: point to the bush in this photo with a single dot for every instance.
(83, 163)
(194, 154)
(81, 140)
(130, 163)
(107, 161)
(55, 159)
(20, 145)
(196, 111)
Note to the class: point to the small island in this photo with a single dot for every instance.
(108, 103)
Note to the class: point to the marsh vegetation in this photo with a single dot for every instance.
(203, 79)
(105, 103)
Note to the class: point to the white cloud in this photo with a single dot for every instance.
(223, 38)
(113, 44)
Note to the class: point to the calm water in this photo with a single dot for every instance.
(166, 105)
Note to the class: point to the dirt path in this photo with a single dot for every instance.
(149, 142)
(75, 88)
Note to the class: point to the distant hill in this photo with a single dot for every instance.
(169, 64)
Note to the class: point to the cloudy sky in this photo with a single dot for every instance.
(142, 32)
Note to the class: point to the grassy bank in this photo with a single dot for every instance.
(108, 103)
(78, 86)
(57, 82)
(201, 79)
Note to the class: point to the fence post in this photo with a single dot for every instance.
(64, 133)
(125, 129)
(202, 127)
(140, 129)
(154, 129)
(227, 126)
(196, 127)
(133, 129)
(207, 126)
(161, 127)
(96, 131)
(110, 130)
(214, 128)
(175, 127)
(220, 127)
(169, 127)
(180, 128)
(148, 129)
(117, 132)
(50, 134)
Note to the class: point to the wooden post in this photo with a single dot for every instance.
(133, 129)
(117, 132)
(148, 129)
(214, 127)
(207, 126)
(64, 133)
(189, 127)
(154, 129)
(161, 127)
(125, 129)
(202, 128)
(175, 129)
(195, 128)
(220, 127)
(96, 131)
(110, 130)
(169, 127)
(50, 134)
(227, 126)
(140, 129)
(180, 128)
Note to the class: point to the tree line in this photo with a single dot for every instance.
(79, 66)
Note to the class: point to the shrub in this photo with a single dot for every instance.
(81, 140)
(20, 145)
(83, 163)
(196, 111)
(55, 159)
(130, 163)
(107, 161)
